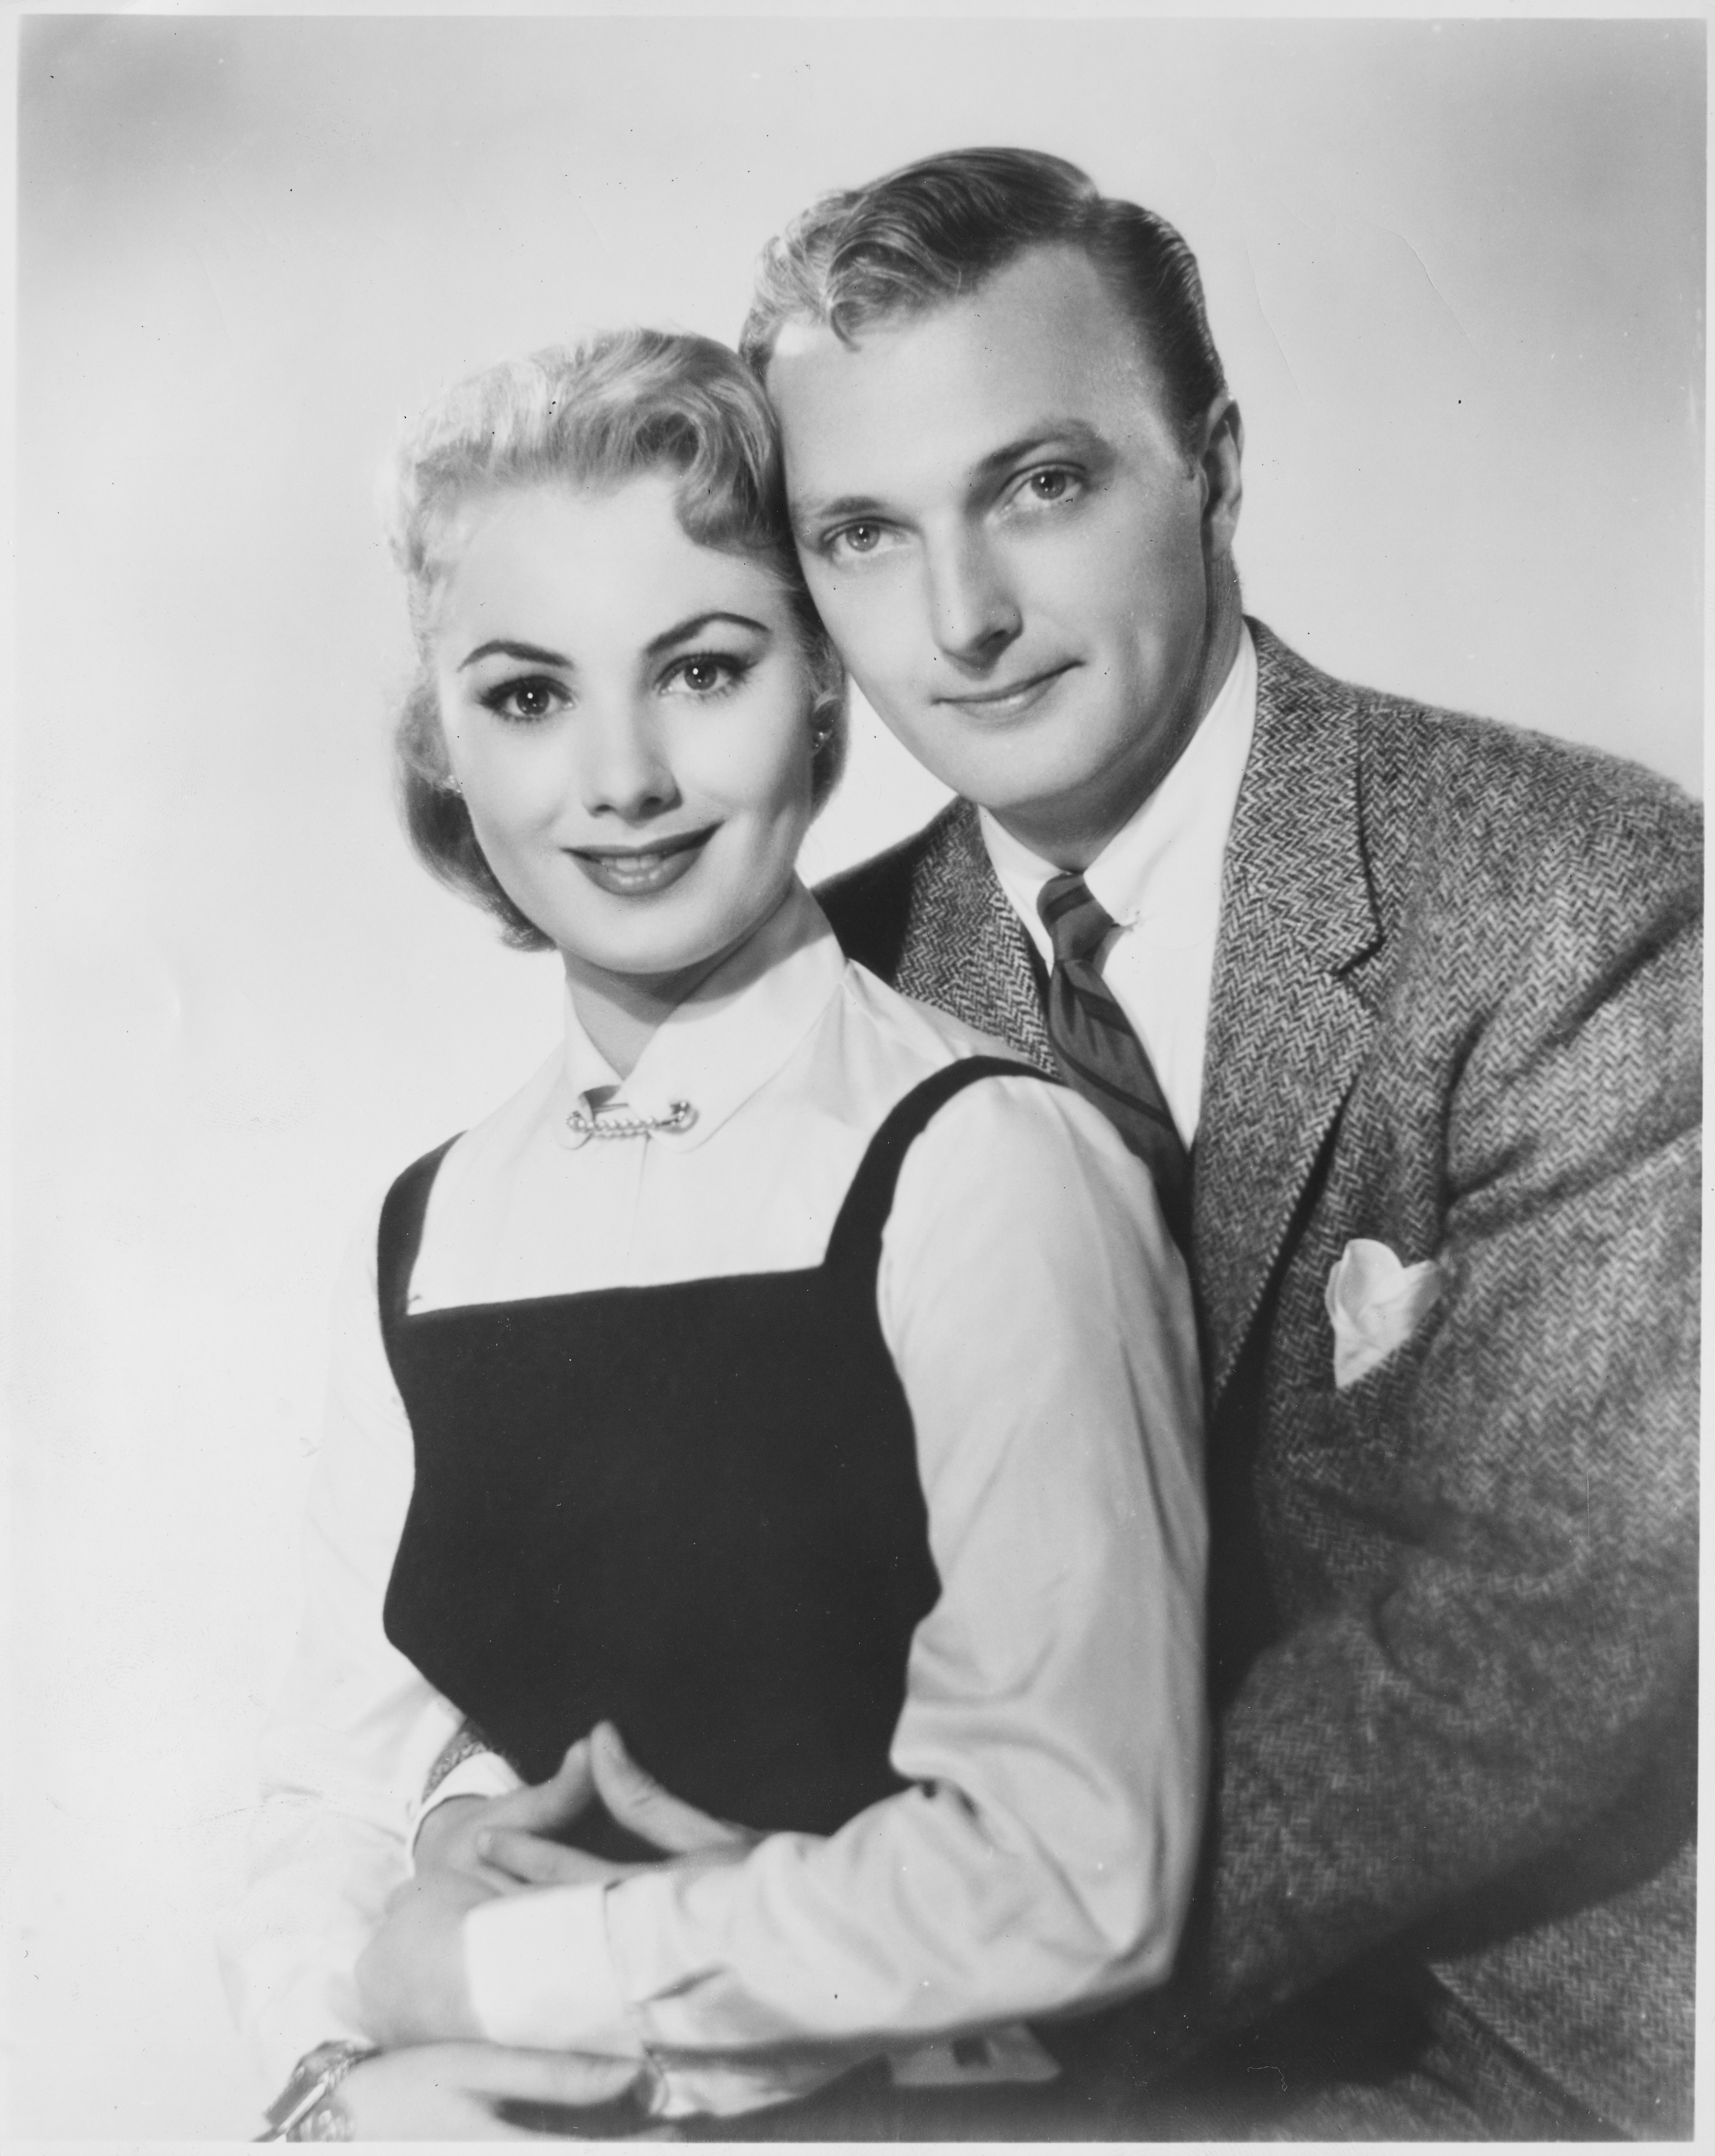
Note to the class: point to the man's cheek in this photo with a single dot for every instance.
(871, 629)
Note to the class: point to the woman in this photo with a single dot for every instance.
(776, 1377)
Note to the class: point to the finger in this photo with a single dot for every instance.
(436, 1831)
(500, 1882)
(568, 2078)
(638, 1801)
(538, 1863)
(555, 1803)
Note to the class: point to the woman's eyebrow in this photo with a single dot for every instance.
(503, 647)
(695, 625)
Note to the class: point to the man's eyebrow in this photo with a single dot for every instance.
(1076, 435)
(695, 625)
(504, 647)
(842, 509)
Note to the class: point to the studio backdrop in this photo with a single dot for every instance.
(1456, 272)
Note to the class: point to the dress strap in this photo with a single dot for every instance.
(857, 1232)
(400, 1233)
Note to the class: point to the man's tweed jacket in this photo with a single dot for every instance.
(1453, 1606)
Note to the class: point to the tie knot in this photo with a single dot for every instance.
(1077, 922)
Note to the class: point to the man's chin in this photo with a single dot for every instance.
(1063, 816)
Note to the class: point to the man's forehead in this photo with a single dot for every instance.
(795, 340)
(1044, 338)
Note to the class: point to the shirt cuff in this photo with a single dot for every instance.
(539, 1974)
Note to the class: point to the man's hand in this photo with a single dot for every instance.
(508, 1842)
(455, 2092)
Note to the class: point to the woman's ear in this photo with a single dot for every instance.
(827, 738)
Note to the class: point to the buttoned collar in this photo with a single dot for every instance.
(1160, 875)
(725, 1042)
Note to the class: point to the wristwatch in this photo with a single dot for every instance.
(303, 2110)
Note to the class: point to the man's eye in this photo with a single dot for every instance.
(524, 700)
(856, 539)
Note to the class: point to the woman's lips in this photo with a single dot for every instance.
(636, 871)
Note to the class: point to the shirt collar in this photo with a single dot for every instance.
(1160, 873)
(724, 1042)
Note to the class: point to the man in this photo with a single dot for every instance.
(1401, 1008)
(1383, 994)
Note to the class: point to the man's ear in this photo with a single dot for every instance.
(1221, 466)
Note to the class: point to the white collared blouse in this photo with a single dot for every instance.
(1053, 1728)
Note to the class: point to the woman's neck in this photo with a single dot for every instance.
(622, 1013)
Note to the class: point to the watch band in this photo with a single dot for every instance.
(295, 2113)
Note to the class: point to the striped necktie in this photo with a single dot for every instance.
(1099, 1053)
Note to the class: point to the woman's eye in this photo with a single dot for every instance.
(525, 700)
(706, 674)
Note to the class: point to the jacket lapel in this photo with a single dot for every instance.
(965, 950)
(1288, 1024)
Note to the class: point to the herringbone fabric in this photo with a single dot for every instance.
(1098, 1053)
(1456, 1011)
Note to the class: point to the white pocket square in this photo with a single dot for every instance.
(1375, 1304)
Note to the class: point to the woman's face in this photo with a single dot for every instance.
(628, 714)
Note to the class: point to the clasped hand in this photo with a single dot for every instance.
(411, 1976)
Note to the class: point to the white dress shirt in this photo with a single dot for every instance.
(1053, 1728)
(1159, 876)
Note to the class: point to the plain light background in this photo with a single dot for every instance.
(1456, 271)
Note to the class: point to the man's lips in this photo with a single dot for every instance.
(1011, 695)
(633, 871)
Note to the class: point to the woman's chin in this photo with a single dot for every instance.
(663, 969)
(660, 946)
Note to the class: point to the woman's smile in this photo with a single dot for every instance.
(626, 714)
(638, 871)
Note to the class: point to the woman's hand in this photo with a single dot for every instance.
(448, 1838)
(411, 1982)
(524, 1856)
(411, 1979)
(462, 2092)
(508, 1842)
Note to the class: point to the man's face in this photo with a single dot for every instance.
(1011, 548)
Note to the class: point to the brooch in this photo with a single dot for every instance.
(585, 1124)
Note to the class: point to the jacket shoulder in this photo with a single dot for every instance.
(869, 907)
(1514, 818)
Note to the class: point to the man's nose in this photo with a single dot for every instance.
(624, 769)
(972, 614)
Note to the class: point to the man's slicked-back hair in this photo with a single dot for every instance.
(936, 230)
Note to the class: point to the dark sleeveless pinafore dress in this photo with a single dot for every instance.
(692, 1510)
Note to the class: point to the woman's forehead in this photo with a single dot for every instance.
(609, 559)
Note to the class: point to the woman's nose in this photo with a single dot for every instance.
(972, 614)
(624, 769)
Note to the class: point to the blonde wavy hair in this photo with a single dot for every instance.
(592, 415)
